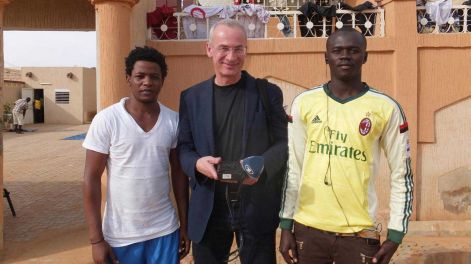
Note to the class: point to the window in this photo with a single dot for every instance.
(62, 96)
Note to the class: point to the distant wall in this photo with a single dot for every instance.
(11, 92)
(446, 166)
(51, 79)
(427, 74)
(89, 94)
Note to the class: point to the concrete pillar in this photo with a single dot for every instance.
(3, 3)
(403, 29)
(113, 29)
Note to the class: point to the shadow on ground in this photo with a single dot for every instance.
(44, 210)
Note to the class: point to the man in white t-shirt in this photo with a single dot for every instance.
(135, 141)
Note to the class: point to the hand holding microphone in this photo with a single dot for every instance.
(247, 170)
(205, 166)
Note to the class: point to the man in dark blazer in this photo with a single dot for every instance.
(224, 119)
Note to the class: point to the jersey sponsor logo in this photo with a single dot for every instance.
(337, 150)
(316, 120)
(337, 145)
(403, 128)
(365, 126)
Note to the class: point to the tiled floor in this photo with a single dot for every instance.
(43, 172)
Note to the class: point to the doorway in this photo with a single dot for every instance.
(38, 106)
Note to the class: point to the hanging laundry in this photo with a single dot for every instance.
(468, 2)
(163, 16)
(246, 9)
(254, 19)
(359, 8)
(325, 11)
(360, 18)
(314, 13)
(202, 11)
(251, 16)
(439, 11)
(194, 25)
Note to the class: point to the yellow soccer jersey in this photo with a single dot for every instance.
(334, 152)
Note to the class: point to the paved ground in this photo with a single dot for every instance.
(43, 172)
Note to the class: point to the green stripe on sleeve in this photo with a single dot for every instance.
(395, 236)
(286, 224)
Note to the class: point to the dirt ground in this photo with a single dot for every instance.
(43, 172)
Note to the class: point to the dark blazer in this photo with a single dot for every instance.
(260, 203)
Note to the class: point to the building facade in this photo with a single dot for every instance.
(426, 73)
(67, 95)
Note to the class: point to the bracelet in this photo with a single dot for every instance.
(97, 242)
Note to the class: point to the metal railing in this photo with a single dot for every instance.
(459, 21)
(280, 4)
(281, 24)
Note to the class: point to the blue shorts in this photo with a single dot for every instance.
(155, 251)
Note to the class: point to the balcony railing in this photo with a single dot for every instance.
(459, 21)
(282, 23)
(285, 4)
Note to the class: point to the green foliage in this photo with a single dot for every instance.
(7, 107)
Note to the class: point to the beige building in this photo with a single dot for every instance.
(12, 86)
(428, 73)
(67, 95)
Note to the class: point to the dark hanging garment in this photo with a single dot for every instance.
(315, 13)
(162, 22)
(361, 18)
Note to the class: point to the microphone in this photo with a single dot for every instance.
(253, 166)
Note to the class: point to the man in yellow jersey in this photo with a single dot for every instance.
(338, 129)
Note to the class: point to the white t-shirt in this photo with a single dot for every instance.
(138, 206)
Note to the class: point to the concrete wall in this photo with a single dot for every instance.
(139, 21)
(54, 78)
(427, 74)
(11, 92)
(89, 94)
(444, 102)
(445, 166)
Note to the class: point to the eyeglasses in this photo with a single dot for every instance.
(224, 50)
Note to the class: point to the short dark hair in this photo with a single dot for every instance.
(146, 53)
(347, 30)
